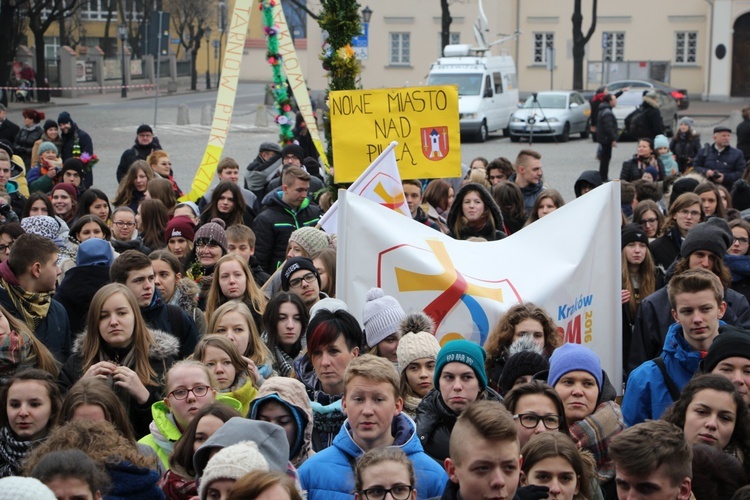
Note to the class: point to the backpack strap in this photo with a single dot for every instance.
(674, 392)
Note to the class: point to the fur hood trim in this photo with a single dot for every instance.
(525, 344)
(165, 344)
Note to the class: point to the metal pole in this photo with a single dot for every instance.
(208, 64)
(158, 66)
(124, 90)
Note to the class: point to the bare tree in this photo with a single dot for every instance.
(445, 24)
(189, 18)
(41, 14)
(12, 25)
(580, 41)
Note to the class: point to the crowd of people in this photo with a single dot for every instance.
(151, 348)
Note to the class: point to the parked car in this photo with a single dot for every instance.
(631, 99)
(551, 114)
(679, 95)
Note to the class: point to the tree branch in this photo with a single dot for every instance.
(304, 7)
(592, 28)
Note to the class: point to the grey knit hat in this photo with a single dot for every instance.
(381, 316)
(270, 146)
(24, 488)
(312, 240)
(687, 121)
(713, 235)
(413, 346)
(213, 231)
(232, 462)
(47, 146)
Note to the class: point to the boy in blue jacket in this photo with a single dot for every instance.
(697, 300)
(372, 403)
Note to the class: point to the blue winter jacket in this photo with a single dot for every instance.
(646, 394)
(329, 474)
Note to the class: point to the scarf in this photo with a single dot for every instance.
(122, 357)
(739, 265)
(594, 434)
(283, 363)
(410, 405)
(13, 452)
(33, 306)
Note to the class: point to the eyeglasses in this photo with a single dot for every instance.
(198, 391)
(531, 420)
(206, 243)
(398, 492)
(691, 213)
(6, 247)
(121, 223)
(296, 282)
(646, 222)
(743, 241)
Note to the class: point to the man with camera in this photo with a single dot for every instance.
(720, 162)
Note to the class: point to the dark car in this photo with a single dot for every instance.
(679, 95)
(631, 99)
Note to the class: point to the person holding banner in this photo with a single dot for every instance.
(474, 213)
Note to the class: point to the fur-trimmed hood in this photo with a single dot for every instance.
(651, 101)
(186, 294)
(165, 344)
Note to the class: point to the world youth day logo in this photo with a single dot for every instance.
(428, 279)
(385, 187)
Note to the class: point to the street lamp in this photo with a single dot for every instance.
(207, 32)
(366, 14)
(122, 34)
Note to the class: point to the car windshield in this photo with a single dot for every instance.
(468, 83)
(630, 99)
(549, 101)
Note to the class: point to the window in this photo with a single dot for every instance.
(400, 49)
(541, 42)
(97, 10)
(296, 18)
(497, 78)
(51, 44)
(613, 45)
(686, 47)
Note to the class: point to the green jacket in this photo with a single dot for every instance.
(167, 433)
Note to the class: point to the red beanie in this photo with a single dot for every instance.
(180, 226)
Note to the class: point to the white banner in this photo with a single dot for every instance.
(568, 262)
(380, 182)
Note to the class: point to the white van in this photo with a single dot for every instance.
(487, 88)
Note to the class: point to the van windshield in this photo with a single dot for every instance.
(468, 83)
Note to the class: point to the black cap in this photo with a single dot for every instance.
(722, 128)
(144, 128)
(731, 342)
(633, 232)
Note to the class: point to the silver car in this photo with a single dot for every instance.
(551, 114)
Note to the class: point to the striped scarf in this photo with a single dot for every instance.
(594, 434)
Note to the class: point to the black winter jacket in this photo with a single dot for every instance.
(665, 249)
(24, 143)
(606, 128)
(137, 152)
(743, 138)
(685, 147)
(78, 287)
(8, 131)
(435, 422)
(275, 224)
(158, 317)
(730, 162)
(161, 356)
(632, 169)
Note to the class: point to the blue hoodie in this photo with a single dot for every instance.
(329, 474)
(646, 394)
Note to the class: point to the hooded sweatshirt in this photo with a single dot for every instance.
(291, 394)
(487, 230)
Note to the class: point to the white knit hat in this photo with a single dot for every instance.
(381, 315)
(24, 488)
(232, 462)
(413, 346)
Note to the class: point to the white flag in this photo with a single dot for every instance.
(568, 263)
(380, 182)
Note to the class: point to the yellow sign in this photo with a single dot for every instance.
(424, 121)
(230, 73)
